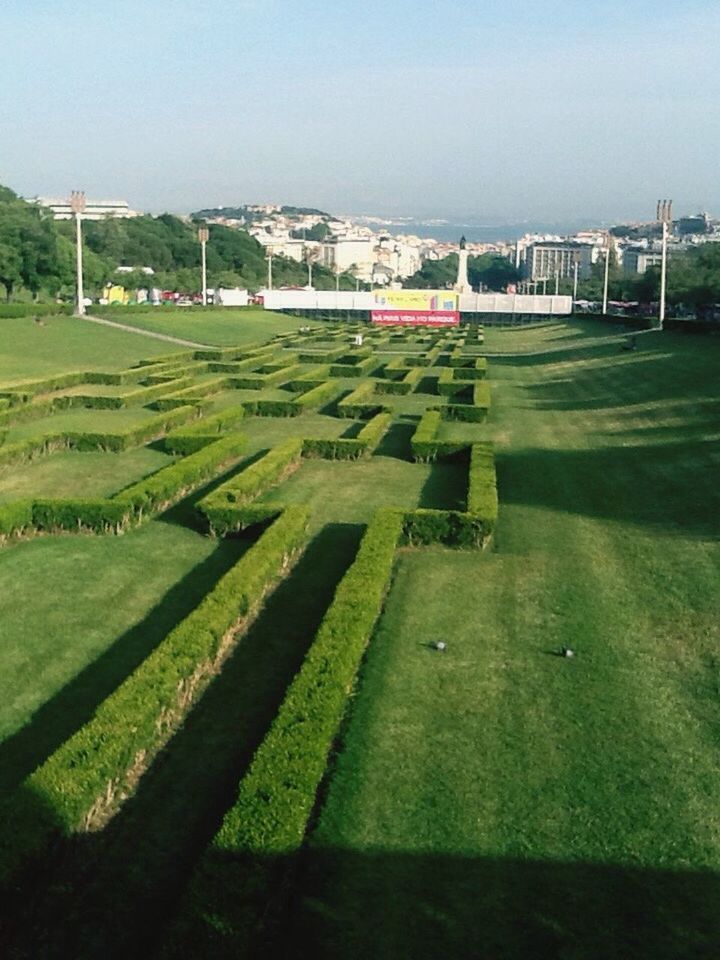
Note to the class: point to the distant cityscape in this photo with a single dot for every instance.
(380, 252)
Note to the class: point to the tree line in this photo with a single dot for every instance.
(37, 255)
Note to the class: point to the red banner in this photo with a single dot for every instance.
(416, 318)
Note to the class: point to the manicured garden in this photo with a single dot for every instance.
(228, 729)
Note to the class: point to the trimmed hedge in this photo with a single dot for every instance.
(91, 774)
(84, 440)
(258, 381)
(319, 396)
(313, 378)
(229, 892)
(449, 385)
(199, 391)
(361, 369)
(343, 448)
(362, 402)
(223, 508)
(12, 311)
(162, 488)
(482, 483)
(472, 528)
(205, 431)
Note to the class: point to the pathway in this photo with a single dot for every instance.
(148, 333)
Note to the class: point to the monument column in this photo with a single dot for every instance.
(462, 284)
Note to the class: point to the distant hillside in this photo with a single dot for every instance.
(37, 255)
(249, 214)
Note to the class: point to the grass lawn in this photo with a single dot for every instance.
(64, 473)
(350, 491)
(78, 613)
(498, 800)
(81, 419)
(266, 432)
(224, 327)
(61, 344)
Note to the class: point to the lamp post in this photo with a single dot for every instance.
(576, 271)
(269, 259)
(203, 237)
(77, 205)
(557, 282)
(607, 274)
(664, 215)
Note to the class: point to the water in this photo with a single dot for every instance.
(473, 229)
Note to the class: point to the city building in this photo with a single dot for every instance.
(94, 209)
(548, 259)
(638, 259)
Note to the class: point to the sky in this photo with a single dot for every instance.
(497, 109)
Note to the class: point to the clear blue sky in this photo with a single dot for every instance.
(501, 108)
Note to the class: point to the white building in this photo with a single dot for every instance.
(638, 259)
(94, 209)
(549, 259)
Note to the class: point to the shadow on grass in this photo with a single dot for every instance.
(330, 903)
(57, 719)
(669, 485)
(446, 486)
(396, 442)
(108, 894)
(391, 905)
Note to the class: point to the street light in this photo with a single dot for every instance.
(608, 243)
(203, 237)
(77, 205)
(664, 215)
(576, 270)
(269, 259)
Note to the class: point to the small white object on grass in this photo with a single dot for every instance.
(440, 645)
(568, 652)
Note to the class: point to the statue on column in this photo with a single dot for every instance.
(462, 285)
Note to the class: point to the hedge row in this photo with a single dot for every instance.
(12, 311)
(149, 495)
(448, 385)
(84, 782)
(482, 483)
(474, 412)
(323, 356)
(223, 508)
(204, 431)
(361, 369)
(478, 371)
(229, 892)
(408, 383)
(313, 378)
(343, 448)
(258, 381)
(472, 528)
(162, 488)
(200, 391)
(362, 402)
(85, 440)
(319, 396)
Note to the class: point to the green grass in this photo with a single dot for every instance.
(77, 613)
(79, 419)
(70, 474)
(61, 344)
(497, 799)
(350, 491)
(224, 327)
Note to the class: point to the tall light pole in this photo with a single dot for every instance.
(607, 274)
(77, 205)
(269, 261)
(557, 282)
(576, 271)
(664, 215)
(203, 237)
